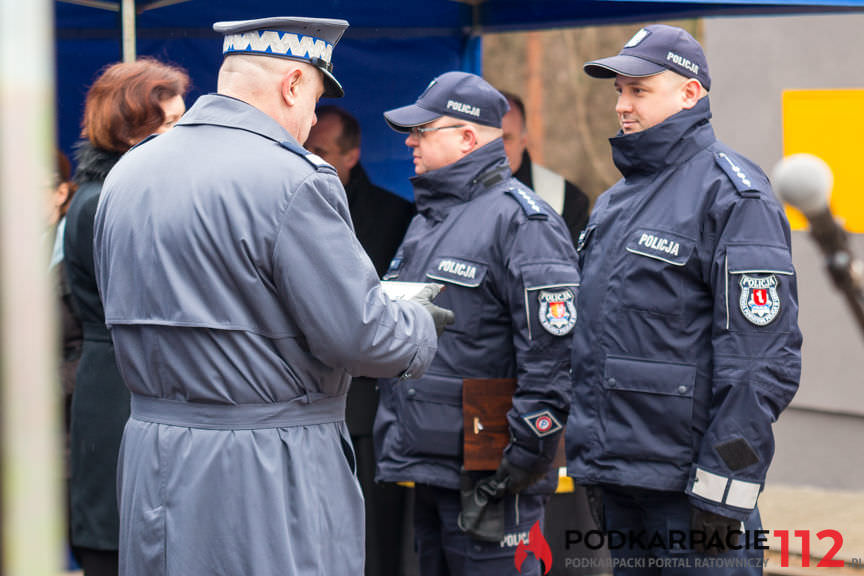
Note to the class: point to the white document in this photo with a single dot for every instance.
(402, 290)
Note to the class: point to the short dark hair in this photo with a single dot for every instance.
(516, 101)
(350, 137)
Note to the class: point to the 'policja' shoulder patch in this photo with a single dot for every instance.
(557, 311)
(759, 301)
(542, 423)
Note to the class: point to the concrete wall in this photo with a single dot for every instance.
(752, 60)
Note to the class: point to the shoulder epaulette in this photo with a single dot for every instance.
(744, 184)
(316, 161)
(528, 200)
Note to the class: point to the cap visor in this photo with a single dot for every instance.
(404, 118)
(621, 64)
(332, 87)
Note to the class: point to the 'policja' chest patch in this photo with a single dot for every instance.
(759, 301)
(557, 311)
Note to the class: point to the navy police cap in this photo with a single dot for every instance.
(456, 94)
(652, 50)
(306, 39)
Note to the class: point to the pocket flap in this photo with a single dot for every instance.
(661, 245)
(666, 378)
(550, 275)
(759, 259)
(437, 389)
(457, 271)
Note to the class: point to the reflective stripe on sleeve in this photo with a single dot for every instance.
(709, 486)
(743, 494)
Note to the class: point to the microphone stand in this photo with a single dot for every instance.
(846, 271)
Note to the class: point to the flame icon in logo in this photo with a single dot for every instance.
(536, 544)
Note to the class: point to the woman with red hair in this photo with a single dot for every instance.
(128, 102)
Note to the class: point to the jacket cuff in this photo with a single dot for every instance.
(427, 347)
(721, 494)
(526, 459)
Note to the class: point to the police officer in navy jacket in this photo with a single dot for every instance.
(687, 346)
(509, 269)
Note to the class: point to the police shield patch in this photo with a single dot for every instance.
(542, 423)
(759, 301)
(557, 311)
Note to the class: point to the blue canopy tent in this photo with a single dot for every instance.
(392, 49)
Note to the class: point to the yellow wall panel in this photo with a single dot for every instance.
(823, 123)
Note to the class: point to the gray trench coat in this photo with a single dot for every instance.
(241, 304)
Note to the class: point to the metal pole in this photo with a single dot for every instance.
(472, 50)
(31, 476)
(127, 14)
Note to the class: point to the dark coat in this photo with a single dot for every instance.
(100, 402)
(576, 203)
(380, 220)
(687, 345)
(71, 342)
(510, 273)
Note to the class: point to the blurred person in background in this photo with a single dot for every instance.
(63, 189)
(380, 219)
(70, 337)
(562, 195)
(128, 102)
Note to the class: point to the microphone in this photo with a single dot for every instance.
(805, 182)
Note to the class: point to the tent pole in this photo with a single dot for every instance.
(472, 49)
(127, 14)
(472, 54)
(31, 503)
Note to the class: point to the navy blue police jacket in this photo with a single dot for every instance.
(511, 277)
(687, 345)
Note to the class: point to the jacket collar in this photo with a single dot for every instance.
(93, 164)
(222, 110)
(673, 141)
(436, 191)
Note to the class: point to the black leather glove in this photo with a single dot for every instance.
(712, 533)
(483, 513)
(441, 316)
(515, 478)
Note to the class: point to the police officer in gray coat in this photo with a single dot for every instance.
(240, 304)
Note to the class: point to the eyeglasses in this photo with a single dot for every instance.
(418, 132)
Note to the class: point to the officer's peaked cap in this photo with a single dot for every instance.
(652, 50)
(457, 94)
(305, 39)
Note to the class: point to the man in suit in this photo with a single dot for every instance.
(380, 219)
(564, 196)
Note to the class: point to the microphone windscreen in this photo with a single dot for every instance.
(804, 181)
